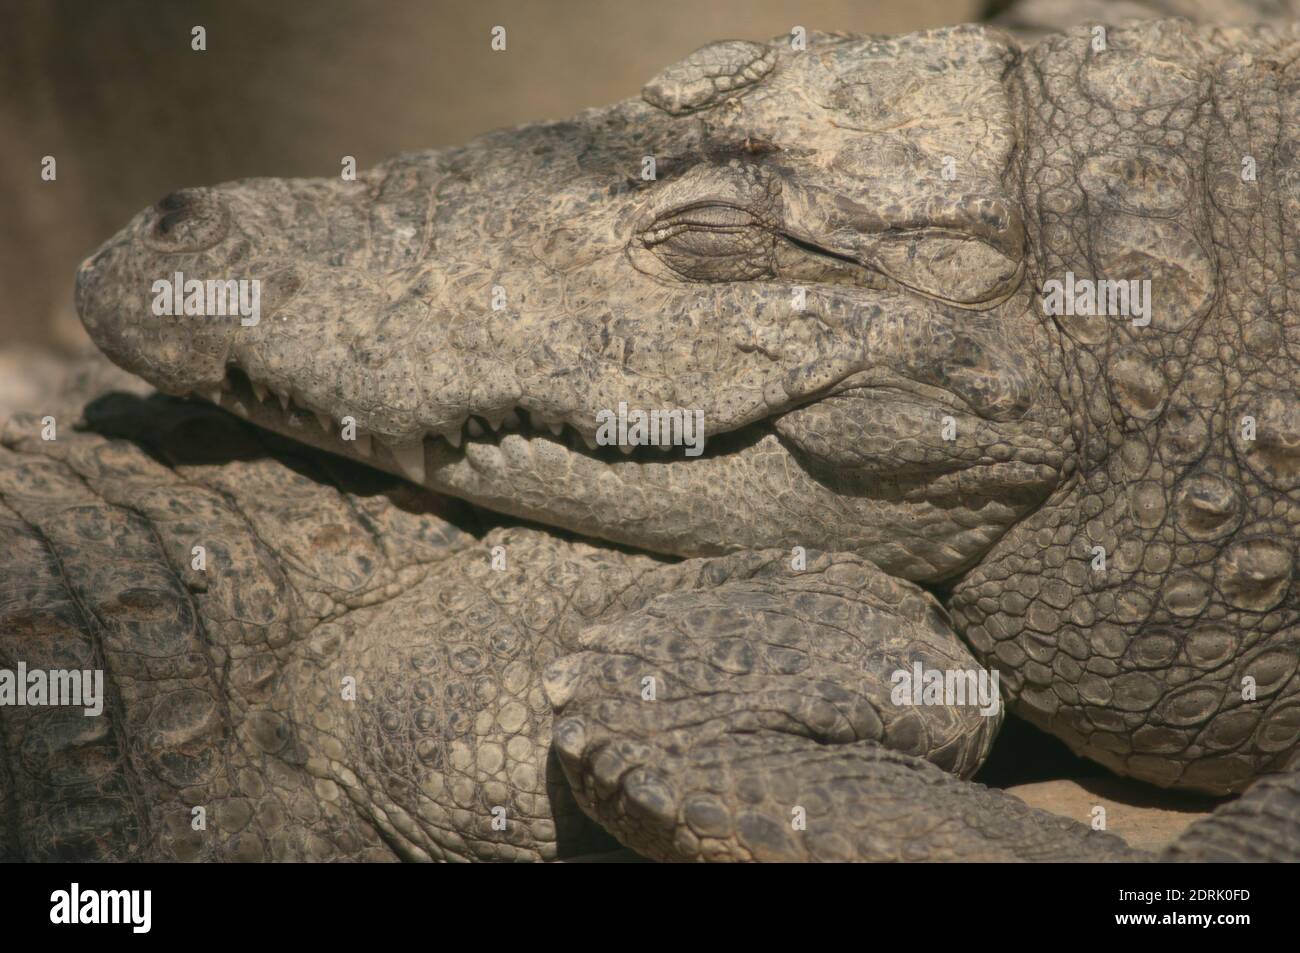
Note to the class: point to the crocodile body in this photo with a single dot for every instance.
(839, 260)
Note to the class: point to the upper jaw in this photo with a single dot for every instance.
(408, 444)
(339, 351)
(402, 367)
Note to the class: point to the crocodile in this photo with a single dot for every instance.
(835, 250)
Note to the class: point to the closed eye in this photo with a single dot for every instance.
(712, 241)
(710, 215)
(716, 241)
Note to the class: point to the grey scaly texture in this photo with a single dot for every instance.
(839, 262)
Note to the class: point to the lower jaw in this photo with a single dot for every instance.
(693, 509)
(672, 505)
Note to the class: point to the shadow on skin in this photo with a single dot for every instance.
(177, 432)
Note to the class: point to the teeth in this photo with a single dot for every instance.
(494, 420)
(411, 460)
(538, 420)
(451, 435)
(362, 443)
(589, 440)
(511, 421)
(214, 395)
(474, 427)
(260, 391)
(626, 448)
(323, 419)
(283, 396)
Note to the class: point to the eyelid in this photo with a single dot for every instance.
(745, 186)
(702, 216)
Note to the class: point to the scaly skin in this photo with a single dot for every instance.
(226, 685)
(777, 171)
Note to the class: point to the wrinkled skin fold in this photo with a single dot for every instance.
(838, 262)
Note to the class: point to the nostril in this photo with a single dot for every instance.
(174, 208)
(173, 202)
(190, 220)
(169, 221)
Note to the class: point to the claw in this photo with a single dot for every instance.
(570, 739)
(559, 680)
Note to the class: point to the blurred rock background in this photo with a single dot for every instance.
(114, 92)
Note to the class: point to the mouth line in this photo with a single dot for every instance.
(415, 457)
(279, 411)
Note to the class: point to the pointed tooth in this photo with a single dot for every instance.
(411, 460)
(323, 419)
(627, 449)
(283, 396)
(214, 395)
(589, 440)
(494, 420)
(451, 435)
(474, 427)
(557, 428)
(260, 391)
(511, 421)
(362, 443)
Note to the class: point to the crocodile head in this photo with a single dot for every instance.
(818, 253)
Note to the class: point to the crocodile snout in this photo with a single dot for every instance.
(128, 290)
